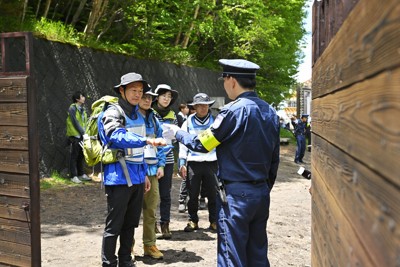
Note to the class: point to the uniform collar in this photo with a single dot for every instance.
(247, 94)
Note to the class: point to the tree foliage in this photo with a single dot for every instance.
(191, 32)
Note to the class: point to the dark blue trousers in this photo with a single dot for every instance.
(301, 148)
(242, 225)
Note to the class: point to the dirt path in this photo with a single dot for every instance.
(73, 220)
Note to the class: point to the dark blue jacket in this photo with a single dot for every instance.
(247, 135)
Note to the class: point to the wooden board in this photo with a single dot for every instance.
(14, 161)
(332, 234)
(14, 137)
(16, 185)
(15, 254)
(363, 200)
(13, 89)
(363, 122)
(13, 114)
(11, 208)
(366, 44)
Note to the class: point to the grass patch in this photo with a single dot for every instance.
(287, 134)
(55, 181)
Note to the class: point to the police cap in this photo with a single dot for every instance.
(239, 68)
(304, 115)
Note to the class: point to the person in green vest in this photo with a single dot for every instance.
(76, 121)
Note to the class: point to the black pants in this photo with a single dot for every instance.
(76, 158)
(124, 207)
(202, 174)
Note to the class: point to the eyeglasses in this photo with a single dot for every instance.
(147, 97)
(166, 96)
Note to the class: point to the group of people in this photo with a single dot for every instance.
(244, 137)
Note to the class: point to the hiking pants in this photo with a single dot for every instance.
(150, 203)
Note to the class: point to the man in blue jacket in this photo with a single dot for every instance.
(124, 194)
(246, 137)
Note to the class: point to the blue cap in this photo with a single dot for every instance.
(239, 68)
(304, 115)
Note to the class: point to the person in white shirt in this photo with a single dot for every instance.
(199, 168)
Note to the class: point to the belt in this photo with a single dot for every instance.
(245, 182)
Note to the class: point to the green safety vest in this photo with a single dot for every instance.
(81, 118)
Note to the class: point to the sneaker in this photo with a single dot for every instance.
(84, 178)
(76, 180)
(165, 233)
(191, 226)
(202, 204)
(213, 226)
(153, 252)
(182, 207)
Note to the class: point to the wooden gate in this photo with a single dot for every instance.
(19, 150)
(356, 133)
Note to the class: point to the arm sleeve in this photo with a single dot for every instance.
(183, 150)
(160, 151)
(114, 129)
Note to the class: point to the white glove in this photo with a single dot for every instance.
(169, 131)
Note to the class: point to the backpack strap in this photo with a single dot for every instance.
(120, 156)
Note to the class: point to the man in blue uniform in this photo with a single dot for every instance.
(246, 137)
(300, 133)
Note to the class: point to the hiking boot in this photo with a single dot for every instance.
(213, 227)
(76, 180)
(153, 252)
(165, 233)
(182, 207)
(202, 203)
(84, 178)
(191, 226)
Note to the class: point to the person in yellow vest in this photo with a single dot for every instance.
(76, 121)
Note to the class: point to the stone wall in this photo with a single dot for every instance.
(60, 69)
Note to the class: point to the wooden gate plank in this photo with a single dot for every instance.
(367, 201)
(14, 137)
(366, 44)
(14, 161)
(16, 185)
(13, 114)
(363, 121)
(13, 89)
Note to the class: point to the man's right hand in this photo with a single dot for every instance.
(156, 141)
(183, 172)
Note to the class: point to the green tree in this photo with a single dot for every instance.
(191, 32)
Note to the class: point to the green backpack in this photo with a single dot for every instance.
(93, 149)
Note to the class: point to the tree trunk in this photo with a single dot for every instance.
(78, 12)
(114, 13)
(47, 8)
(98, 9)
(37, 8)
(69, 12)
(24, 11)
(187, 35)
